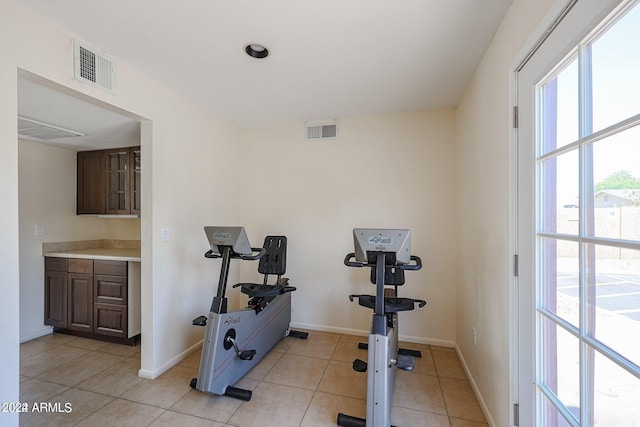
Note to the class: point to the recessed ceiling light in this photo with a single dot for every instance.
(256, 50)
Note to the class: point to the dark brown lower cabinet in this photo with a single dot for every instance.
(110, 319)
(87, 296)
(55, 297)
(80, 305)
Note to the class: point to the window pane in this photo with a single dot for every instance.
(616, 72)
(559, 194)
(550, 415)
(617, 299)
(561, 364)
(616, 170)
(559, 98)
(616, 395)
(560, 278)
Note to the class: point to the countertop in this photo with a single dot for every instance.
(105, 253)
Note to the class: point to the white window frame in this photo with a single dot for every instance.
(525, 410)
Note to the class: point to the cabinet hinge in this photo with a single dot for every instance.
(515, 265)
(516, 414)
(515, 116)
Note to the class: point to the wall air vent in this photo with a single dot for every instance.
(318, 131)
(93, 66)
(34, 129)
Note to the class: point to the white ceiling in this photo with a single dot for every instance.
(102, 127)
(329, 59)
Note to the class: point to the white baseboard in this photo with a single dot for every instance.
(476, 390)
(153, 374)
(361, 333)
(322, 328)
(36, 334)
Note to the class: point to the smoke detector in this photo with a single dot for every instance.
(92, 66)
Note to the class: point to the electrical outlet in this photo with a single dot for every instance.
(475, 336)
(164, 236)
(39, 230)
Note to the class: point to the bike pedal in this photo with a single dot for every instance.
(247, 355)
(199, 321)
(406, 363)
(359, 365)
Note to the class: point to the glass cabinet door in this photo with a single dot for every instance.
(135, 181)
(118, 181)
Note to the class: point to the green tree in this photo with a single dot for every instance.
(620, 180)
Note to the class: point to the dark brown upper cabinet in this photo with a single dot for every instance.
(109, 182)
(91, 183)
(135, 181)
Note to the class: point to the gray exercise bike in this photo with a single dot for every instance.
(235, 341)
(388, 253)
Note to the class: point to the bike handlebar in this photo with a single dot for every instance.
(416, 266)
(256, 254)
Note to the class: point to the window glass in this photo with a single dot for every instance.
(615, 58)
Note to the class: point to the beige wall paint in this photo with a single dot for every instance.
(181, 192)
(9, 313)
(122, 229)
(391, 171)
(484, 260)
(47, 196)
(204, 171)
(46, 186)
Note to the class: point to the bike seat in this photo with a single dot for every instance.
(257, 290)
(261, 291)
(391, 304)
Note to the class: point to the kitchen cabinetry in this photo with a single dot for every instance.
(108, 182)
(90, 297)
(80, 295)
(136, 164)
(110, 308)
(90, 187)
(55, 292)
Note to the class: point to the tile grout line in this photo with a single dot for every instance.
(341, 338)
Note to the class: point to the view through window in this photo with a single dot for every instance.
(588, 231)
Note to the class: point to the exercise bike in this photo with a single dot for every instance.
(235, 341)
(388, 253)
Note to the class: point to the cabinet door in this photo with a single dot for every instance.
(55, 298)
(110, 289)
(111, 320)
(135, 181)
(118, 183)
(80, 305)
(90, 183)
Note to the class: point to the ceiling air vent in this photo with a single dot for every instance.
(322, 131)
(43, 131)
(93, 66)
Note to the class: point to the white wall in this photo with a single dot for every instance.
(183, 188)
(484, 259)
(46, 182)
(392, 171)
(47, 196)
(8, 219)
(122, 229)
(190, 181)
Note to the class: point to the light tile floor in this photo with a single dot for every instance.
(300, 383)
